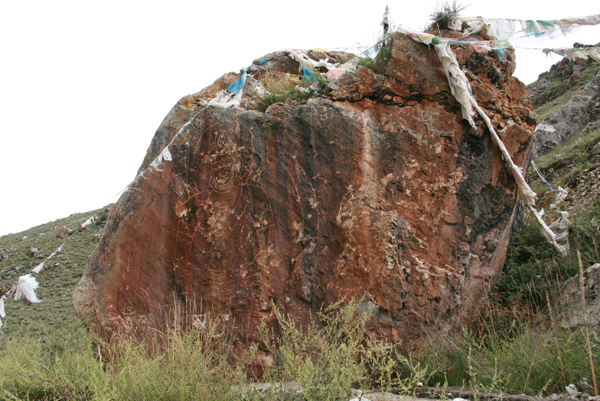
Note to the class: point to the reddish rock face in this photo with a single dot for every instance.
(377, 189)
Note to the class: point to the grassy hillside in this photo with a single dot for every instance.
(560, 84)
(60, 275)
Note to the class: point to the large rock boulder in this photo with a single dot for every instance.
(376, 188)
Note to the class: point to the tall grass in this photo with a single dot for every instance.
(525, 363)
(324, 360)
(197, 365)
(333, 354)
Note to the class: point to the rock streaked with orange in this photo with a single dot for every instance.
(375, 189)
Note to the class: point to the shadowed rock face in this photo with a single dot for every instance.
(377, 189)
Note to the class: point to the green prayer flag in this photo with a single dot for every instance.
(548, 23)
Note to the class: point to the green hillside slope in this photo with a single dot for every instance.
(60, 275)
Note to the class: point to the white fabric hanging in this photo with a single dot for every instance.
(459, 85)
(26, 286)
(502, 28)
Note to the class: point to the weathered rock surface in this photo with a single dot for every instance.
(375, 188)
(571, 306)
(583, 108)
(563, 76)
(64, 232)
(31, 252)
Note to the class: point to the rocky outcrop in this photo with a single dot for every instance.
(375, 189)
(583, 108)
(571, 305)
(562, 77)
(64, 232)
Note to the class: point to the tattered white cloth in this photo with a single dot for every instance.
(26, 286)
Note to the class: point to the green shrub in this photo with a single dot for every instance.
(378, 64)
(102, 217)
(331, 355)
(533, 267)
(280, 89)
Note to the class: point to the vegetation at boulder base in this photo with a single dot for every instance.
(326, 362)
(509, 348)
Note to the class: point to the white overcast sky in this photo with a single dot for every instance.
(85, 84)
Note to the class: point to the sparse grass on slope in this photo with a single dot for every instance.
(584, 78)
(575, 151)
(60, 276)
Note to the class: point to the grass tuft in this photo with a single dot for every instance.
(283, 89)
(378, 64)
(444, 11)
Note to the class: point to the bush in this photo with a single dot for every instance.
(331, 355)
(102, 218)
(533, 267)
(280, 89)
(378, 64)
